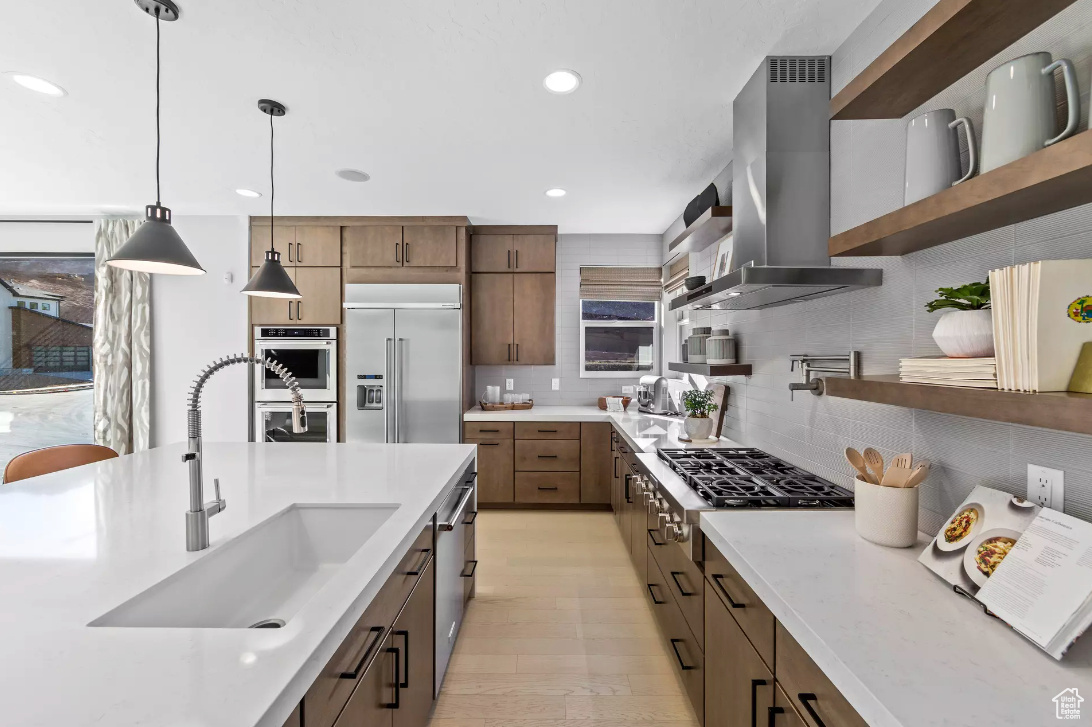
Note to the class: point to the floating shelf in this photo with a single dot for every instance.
(1055, 178)
(713, 224)
(711, 369)
(1059, 410)
(951, 40)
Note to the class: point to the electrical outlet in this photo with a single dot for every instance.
(1046, 487)
(627, 391)
(555, 384)
(509, 384)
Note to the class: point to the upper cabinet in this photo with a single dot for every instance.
(429, 246)
(396, 246)
(311, 255)
(304, 246)
(513, 249)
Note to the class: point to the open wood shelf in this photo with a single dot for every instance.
(1055, 178)
(951, 40)
(711, 369)
(713, 224)
(1059, 410)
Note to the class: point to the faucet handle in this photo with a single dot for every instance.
(216, 488)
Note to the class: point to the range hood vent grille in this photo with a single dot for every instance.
(798, 70)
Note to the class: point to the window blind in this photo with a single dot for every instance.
(677, 272)
(607, 282)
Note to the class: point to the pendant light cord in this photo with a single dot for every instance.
(157, 134)
(271, 187)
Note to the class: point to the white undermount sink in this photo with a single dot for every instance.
(263, 576)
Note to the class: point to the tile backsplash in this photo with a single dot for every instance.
(890, 322)
(572, 252)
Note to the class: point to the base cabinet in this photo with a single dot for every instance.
(376, 695)
(739, 686)
(413, 635)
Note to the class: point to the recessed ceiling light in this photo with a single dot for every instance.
(562, 82)
(248, 193)
(556, 192)
(37, 84)
(353, 175)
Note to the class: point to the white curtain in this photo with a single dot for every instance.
(122, 346)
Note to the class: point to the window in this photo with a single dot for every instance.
(21, 303)
(33, 305)
(618, 338)
(45, 306)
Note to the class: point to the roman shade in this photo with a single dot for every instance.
(618, 282)
(676, 273)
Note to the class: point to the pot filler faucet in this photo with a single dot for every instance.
(197, 517)
(808, 367)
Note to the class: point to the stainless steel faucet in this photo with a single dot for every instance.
(808, 367)
(197, 517)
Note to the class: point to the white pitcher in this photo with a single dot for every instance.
(1020, 116)
(932, 154)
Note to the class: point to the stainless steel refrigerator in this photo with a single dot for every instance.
(403, 363)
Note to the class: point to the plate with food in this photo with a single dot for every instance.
(1022, 503)
(959, 531)
(986, 553)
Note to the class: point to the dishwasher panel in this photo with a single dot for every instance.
(452, 523)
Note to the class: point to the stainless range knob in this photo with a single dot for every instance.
(672, 532)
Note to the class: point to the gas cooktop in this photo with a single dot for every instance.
(728, 478)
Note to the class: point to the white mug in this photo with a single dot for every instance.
(932, 154)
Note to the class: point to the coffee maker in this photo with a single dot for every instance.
(652, 395)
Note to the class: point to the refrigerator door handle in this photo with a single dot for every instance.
(398, 365)
(389, 387)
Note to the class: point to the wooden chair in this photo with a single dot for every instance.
(53, 459)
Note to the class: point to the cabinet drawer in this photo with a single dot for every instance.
(683, 577)
(559, 487)
(495, 483)
(470, 567)
(547, 455)
(754, 618)
(547, 430)
(809, 689)
(326, 697)
(683, 647)
(487, 430)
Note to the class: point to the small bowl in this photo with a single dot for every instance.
(695, 281)
(603, 401)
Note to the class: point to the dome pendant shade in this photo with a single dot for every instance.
(272, 280)
(156, 247)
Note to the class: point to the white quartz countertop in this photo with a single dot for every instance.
(75, 544)
(643, 432)
(903, 648)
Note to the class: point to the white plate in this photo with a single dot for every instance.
(944, 545)
(969, 563)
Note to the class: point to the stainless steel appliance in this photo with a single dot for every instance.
(452, 567)
(781, 193)
(403, 361)
(652, 395)
(309, 353)
(273, 422)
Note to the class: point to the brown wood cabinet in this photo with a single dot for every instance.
(320, 304)
(552, 487)
(491, 319)
(783, 713)
(596, 459)
(548, 430)
(371, 702)
(395, 246)
(685, 649)
(414, 635)
(284, 242)
(295, 719)
(432, 246)
(491, 253)
(756, 620)
(808, 688)
(513, 253)
(534, 253)
(496, 476)
(533, 329)
(547, 455)
(739, 686)
(299, 246)
(488, 430)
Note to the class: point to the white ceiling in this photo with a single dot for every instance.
(441, 101)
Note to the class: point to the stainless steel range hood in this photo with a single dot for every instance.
(781, 193)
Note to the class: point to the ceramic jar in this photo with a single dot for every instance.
(698, 427)
(965, 333)
(1021, 103)
(886, 515)
(932, 154)
(695, 344)
(720, 348)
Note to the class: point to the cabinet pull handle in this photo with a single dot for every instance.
(655, 600)
(405, 662)
(517, 352)
(488, 444)
(424, 561)
(628, 498)
(509, 352)
(547, 431)
(290, 311)
(509, 259)
(755, 684)
(299, 310)
(355, 673)
(774, 711)
(675, 647)
(517, 258)
(547, 456)
(652, 536)
(491, 431)
(473, 515)
(552, 487)
(290, 253)
(675, 577)
(473, 567)
(397, 685)
(398, 252)
(717, 578)
(616, 467)
(299, 253)
(806, 698)
(405, 253)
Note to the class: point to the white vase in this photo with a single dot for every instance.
(965, 333)
(698, 427)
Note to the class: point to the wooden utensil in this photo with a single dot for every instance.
(903, 460)
(918, 475)
(895, 476)
(874, 460)
(857, 462)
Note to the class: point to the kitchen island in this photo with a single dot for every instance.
(76, 544)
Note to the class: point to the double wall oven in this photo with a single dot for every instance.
(311, 355)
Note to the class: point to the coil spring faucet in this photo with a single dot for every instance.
(197, 517)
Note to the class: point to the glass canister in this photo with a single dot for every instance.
(695, 344)
(720, 347)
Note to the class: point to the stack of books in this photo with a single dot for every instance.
(1042, 313)
(980, 373)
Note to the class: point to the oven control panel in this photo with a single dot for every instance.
(297, 333)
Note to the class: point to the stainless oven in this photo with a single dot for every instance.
(273, 422)
(309, 353)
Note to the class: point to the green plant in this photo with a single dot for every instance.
(698, 404)
(972, 296)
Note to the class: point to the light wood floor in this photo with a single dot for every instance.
(560, 633)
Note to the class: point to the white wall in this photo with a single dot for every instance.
(196, 319)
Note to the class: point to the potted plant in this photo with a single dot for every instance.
(699, 405)
(965, 331)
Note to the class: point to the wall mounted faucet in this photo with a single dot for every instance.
(807, 368)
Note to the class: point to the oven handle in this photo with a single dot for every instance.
(287, 406)
(457, 516)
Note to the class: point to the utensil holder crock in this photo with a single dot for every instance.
(886, 515)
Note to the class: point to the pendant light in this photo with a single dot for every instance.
(156, 246)
(271, 280)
